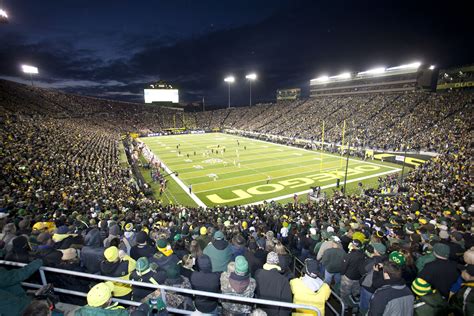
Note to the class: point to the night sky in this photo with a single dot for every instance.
(112, 49)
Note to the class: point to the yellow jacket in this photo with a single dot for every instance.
(303, 295)
(121, 289)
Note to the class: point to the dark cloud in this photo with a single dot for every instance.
(286, 48)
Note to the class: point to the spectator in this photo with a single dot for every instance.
(20, 251)
(351, 272)
(272, 285)
(372, 274)
(186, 266)
(310, 289)
(219, 251)
(145, 273)
(428, 301)
(203, 239)
(142, 248)
(238, 283)
(164, 257)
(120, 265)
(46, 252)
(205, 280)
(99, 302)
(13, 299)
(92, 254)
(441, 273)
(331, 260)
(394, 297)
(175, 299)
(463, 300)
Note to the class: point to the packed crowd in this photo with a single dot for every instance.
(67, 202)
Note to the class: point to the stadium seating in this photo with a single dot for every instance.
(63, 188)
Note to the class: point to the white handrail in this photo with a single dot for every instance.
(169, 288)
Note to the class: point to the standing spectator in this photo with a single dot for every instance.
(238, 283)
(175, 299)
(463, 300)
(372, 274)
(92, 253)
(441, 273)
(219, 251)
(394, 298)
(114, 232)
(351, 268)
(205, 280)
(428, 302)
(145, 273)
(203, 239)
(164, 257)
(13, 299)
(272, 285)
(331, 260)
(118, 265)
(255, 256)
(310, 289)
(99, 302)
(142, 248)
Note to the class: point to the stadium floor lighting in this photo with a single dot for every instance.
(229, 80)
(373, 71)
(3, 14)
(345, 75)
(31, 70)
(321, 79)
(432, 67)
(414, 65)
(251, 77)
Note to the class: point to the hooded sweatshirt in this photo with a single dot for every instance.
(205, 280)
(92, 253)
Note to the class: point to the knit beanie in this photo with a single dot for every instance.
(241, 266)
(441, 250)
(420, 287)
(272, 258)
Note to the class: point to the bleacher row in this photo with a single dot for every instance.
(67, 201)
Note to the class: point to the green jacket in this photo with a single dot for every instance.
(463, 300)
(431, 305)
(423, 260)
(13, 299)
(95, 311)
(219, 258)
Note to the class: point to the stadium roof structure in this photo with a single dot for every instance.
(371, 73)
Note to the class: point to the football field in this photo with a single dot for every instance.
(223, 169)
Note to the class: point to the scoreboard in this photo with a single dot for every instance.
(288, 94)
(161, 95)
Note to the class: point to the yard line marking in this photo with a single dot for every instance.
(257, 181)
(330, 155)
(323, 187)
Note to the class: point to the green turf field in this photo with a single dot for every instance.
(240, 174)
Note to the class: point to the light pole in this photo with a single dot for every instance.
(229, 80)
(251, 77)
(31, 70)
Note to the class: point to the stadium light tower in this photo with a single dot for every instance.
(230, 80)
(251, 77)
(31, 70)
(3, 16)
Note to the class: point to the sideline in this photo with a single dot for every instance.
(178, 180)
(323, 187)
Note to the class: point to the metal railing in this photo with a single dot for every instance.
(154, 287)
(298, 267)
